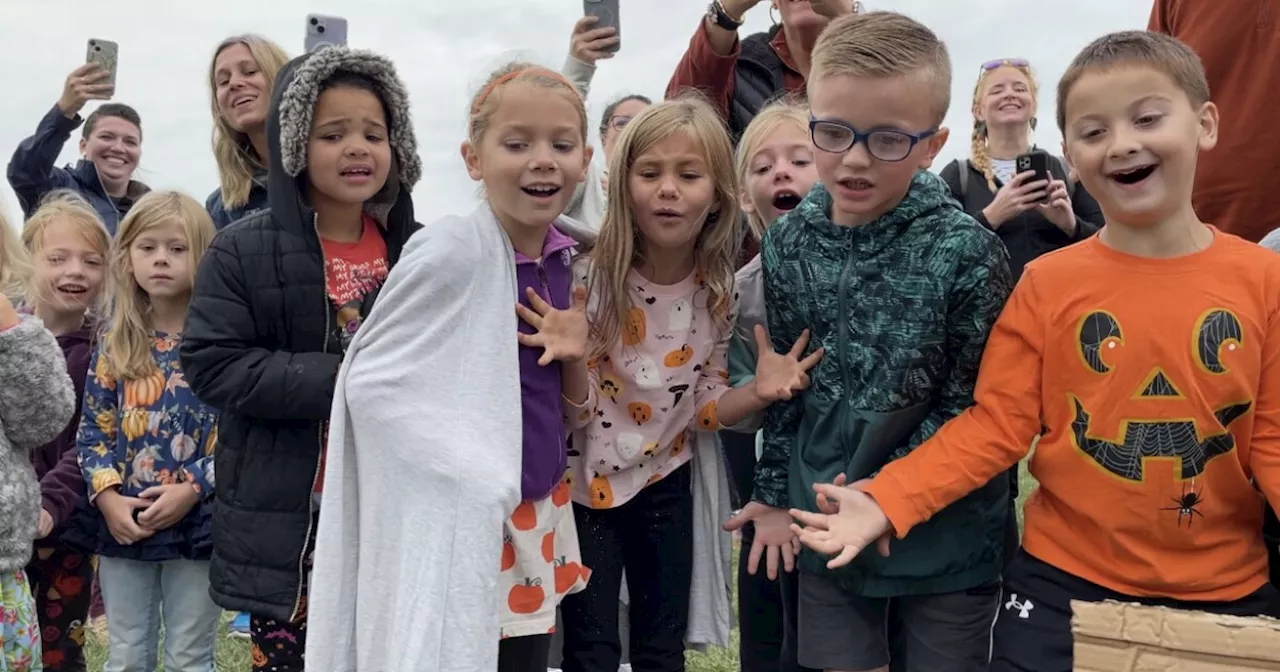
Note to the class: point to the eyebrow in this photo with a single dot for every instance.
(343, 121)
(525, 128)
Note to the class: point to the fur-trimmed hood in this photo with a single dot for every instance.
(293, 102)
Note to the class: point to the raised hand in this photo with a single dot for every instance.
(562, 334)
(589, 44)
(781, 376)
(834, 9)
(85, 83)
(857, 523)
(1058, 209)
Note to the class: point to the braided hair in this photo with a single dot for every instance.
(978, 147)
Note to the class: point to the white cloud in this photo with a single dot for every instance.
(443, 49)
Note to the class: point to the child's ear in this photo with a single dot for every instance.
(933, 145)
(472, 158)
(744, 200)
(587, 153)
(1208, 118)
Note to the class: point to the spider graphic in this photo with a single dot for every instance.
(1186, 505)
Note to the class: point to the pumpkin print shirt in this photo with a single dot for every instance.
(647, 395)
(152, 431)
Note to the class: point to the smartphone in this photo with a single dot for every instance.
(1037, 161)
(606, 11)
(323, 31)
(105, 53)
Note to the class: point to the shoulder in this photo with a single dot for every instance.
(214, 201)
(951, 170)
(957, 232)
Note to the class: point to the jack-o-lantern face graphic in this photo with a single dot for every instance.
(1214, 334)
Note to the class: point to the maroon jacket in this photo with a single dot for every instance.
(56, 464)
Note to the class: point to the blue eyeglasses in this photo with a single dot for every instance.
(884, 144)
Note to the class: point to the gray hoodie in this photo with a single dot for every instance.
(36, 402)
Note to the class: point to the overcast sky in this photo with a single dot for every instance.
(444, 49)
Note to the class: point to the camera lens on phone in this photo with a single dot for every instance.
(320, 30)
(315, 21)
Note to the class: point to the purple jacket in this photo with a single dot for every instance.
(545, 446)
(56, 465)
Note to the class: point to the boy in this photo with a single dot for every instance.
(1149, 353)
(901, 288)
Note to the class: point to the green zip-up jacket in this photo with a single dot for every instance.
(902, 305)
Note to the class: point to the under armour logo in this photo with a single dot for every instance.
(1024, 607)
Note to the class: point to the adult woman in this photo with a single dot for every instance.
(740, 77)
(241, 75)
(111, 145)
(1004, 108)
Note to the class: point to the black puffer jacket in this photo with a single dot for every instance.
(757, 79)
(261, 345)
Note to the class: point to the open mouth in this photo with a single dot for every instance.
(1011, 107)
(115, 161)
(786, 201)
(243, 101)
(856, 184)
(541, 190)
(73, 289)
(357, 171)
(1133, 175)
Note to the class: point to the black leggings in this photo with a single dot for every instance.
(524, 654)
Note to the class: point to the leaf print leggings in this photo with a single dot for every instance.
(62, 579)
(19, 627)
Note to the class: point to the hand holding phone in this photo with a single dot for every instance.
(87, 82)
(589, 43)
(1037, 162)
(607, 16)
(1024, 192)
(323, 31)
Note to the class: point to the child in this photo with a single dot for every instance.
(1147, 353)
(36, 400)
(146, 446)
(492, 447)
(660, 282)
(903, 287)
(775, 167)
(69, 245)
(276, 302)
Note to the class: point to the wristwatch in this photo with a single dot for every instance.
(721, 18)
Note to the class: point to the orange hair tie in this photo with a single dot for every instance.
(488, 90)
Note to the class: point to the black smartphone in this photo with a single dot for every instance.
(607, 11)
(1037, 161)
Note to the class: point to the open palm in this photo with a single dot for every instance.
(857, 523)
(781, 376)
(562, 334)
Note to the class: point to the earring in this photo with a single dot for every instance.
(773, 18)
(1033, 123)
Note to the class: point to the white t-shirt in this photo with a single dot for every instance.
(1004, 169)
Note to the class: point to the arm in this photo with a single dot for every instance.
(225, 367)
(200, 472)
(977, 295)
(31, 171)
(63, 485)
(99, 423)
(581, 379)
(987, 438)
(709, 65)
(718, 405)
(1264, 448)
(782, 418)
(36, 396)
(579, 72)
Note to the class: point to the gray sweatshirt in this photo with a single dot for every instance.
(36, 403)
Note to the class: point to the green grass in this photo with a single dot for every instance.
(233, 654)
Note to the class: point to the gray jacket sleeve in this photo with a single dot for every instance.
(37, 398)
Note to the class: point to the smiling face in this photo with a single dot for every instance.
(1006, 98)
(531, 156)
(161, 261)
(348, 152)
(1133, 136)
(240, 88)
(114, 145)
(863, 187)
(671, 195)
(69, 268)
(780, 173)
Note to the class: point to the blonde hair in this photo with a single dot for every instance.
(619, 246)
(486, 101)
(786, 112)
(236, 157)
(1162, 53)
(65, 206)
(15, 263)
(126, 345)
(884, 44)
(978, 155)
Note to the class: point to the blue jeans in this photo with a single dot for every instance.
(139, 595)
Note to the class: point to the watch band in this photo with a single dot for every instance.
(721, 18)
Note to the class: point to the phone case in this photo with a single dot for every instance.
(323, 31)
(1038, 162)
(607, 13)
(105, 53)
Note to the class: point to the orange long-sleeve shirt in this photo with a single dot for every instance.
(1157, 383)
(1239, 43)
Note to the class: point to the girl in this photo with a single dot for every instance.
(146, 447)
(241, 75)
(493, 448)
(775, 167)
(661, 309)
(36, 400)
(69, 246)
(277, 300)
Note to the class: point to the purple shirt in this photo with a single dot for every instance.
(545, 447)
